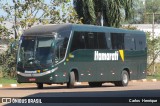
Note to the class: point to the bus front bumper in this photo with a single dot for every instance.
(45, 77)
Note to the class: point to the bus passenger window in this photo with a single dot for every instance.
(102, 44)
(117, 40)
(129, 42)
(78, 41)
(108, 40)
(140, 44)
(91, 40)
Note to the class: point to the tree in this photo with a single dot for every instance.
(153, 45)
(112, 11)
(27, 13)
(143, 11)
(138, 16)
(152, 9)
(8, 60)
(65, 13)
(4, 32)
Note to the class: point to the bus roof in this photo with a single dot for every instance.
(50, 28)
(47, 29)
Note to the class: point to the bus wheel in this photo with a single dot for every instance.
(71, 82)
(40, 85)
(124, 79)
(95, 84)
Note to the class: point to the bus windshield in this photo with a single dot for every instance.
(36, 51)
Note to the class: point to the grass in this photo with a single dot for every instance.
(7, 81)
(156, 76)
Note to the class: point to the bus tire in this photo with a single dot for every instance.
(71, 82)
(40, 85)
(124, 79)
(95, 84)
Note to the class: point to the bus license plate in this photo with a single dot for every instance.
(32, 79)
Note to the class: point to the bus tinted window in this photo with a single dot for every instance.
(65, 35)
(91, 40)
(102, 44)
(78, 41)
(61, 45)
(129, 42)
(140, 43)
(117, 40)
(108, 39)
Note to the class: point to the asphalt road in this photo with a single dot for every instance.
(133, 91)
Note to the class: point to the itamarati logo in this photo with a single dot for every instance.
(108, 56)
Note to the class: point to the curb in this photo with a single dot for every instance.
(154, 80)
(10, 85)
(80, 83)
(144, 80)
(13, 85)
(16, 85)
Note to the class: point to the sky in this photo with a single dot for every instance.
(2, 13)
(10, 2)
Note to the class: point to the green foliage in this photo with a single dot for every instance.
(27, 13)
(152, 6)
(65, 13)
(143, 11)
(130, 27)
(153, 45)
(4, 32)
(113, 11)
(138, 12)
(8, 61)
(1, 19)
